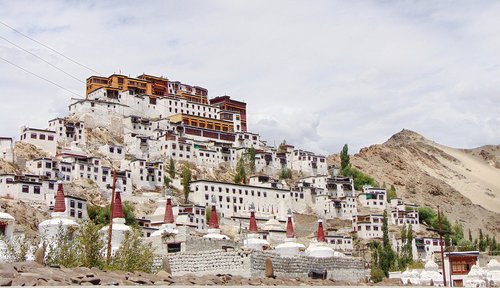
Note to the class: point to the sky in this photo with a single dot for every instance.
(317, 74)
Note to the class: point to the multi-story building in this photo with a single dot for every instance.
(339, 242)
(373, 197)
(26, 187)
(41, 138)
(76, 207)
(404, 214)
(235, 199)
(147, 175)
(368, 226)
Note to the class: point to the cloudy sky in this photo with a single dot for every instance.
(316, 73)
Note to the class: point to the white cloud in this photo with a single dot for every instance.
(318, 74)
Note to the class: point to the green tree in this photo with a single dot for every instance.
(359, 178)
(344, 158)
(470, 235)
(167, 180)
(251, 152)
(388, 256)
(186, 179)
(241, 175)
(100, 215)
(63, 250)
(391, 193)
(134, 254)
(426, 215)
(409, 240)
(457, 233)
(171, 168)
(91, 245)
(482, 243)
(285, 173)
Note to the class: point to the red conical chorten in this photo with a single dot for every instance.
(169, 215)
(117, 208)
(289, 226)
(252, 226)
(214, 221)
(321, 233)
(60, 205)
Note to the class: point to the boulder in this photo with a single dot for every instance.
(269, 268)
(5, 281)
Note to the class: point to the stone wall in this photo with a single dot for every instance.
(210, 262)
(348, 269)
(195, 243)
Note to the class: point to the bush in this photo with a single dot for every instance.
(376, 274)
(18, 248)
(359, 178)
(134, 254)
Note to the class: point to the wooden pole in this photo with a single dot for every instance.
(110, 230)
(441, 245)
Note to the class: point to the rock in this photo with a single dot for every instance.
(139, 280)
(40, 255)
(163, 274)
(5, 281)
(269, 268)
(166, 265)
(93, 280)
(76, 280)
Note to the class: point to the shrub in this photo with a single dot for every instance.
(376, 274)
(134, 254)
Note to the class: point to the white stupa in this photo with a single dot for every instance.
(7, 223)
(431, 275)
(289, 247)
(318, 248)
(475, 278)
(49, 229)
(493, 272)
(253, 241)
(213, 225)
(168, 225)
(118, 228)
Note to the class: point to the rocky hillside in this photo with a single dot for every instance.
(465, 183)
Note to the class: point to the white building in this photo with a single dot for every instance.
(7, 149)
(340, 243)
(368, 226)
(373, 197)
(404, 214)
(43, 139)
(76, 207)
(235, 199)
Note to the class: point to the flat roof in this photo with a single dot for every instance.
(239, 185)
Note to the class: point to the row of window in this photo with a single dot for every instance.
(39, 136)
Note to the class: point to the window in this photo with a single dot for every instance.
(50, 138)
(42, 136)
(72, 212)
(80, 205)
(33, 135)
(25, 189)
(80, 214)
(36, 189)
(72, 203)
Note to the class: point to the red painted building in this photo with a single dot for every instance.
(228, 104)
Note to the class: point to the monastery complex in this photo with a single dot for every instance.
(133, 127)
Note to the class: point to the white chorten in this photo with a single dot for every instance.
(289, 248)
(493, 272)
(213, 225)
(475, 278)
(118, 228)
(7, 223)
(253, 241)
(49, 229)
(319, 248)
(168, 225)
(431, 275)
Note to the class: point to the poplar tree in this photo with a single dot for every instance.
(186, 178)
(171, 168)
(344, 158)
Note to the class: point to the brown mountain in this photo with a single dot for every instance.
(464, 182)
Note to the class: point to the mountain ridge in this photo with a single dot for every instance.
(431, 174)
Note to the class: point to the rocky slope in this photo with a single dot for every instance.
(465, 183)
